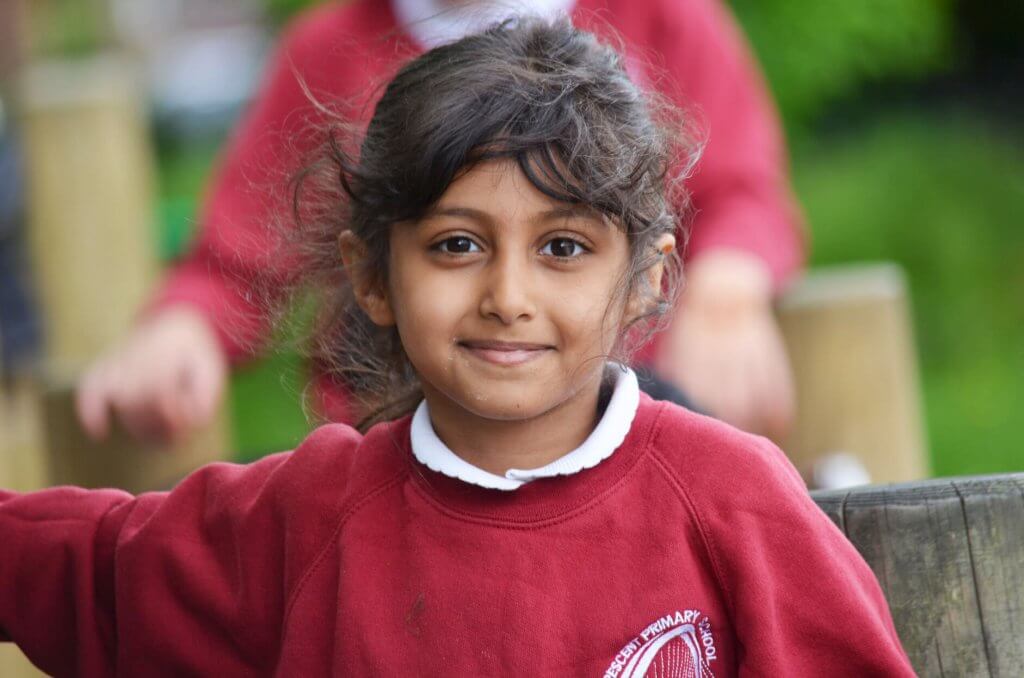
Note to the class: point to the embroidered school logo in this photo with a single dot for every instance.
(678, 645)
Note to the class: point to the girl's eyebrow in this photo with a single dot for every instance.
(560, 212)
(573, 212)
(466, 212)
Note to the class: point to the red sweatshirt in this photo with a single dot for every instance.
(347, 52)
(694, 548)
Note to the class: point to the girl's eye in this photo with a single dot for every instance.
(563, 248)
(458, 244)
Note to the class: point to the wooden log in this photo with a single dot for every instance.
(849, 338)
(948, 554)
(89, 174)
(121, 461)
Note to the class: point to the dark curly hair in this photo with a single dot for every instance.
(545, 94)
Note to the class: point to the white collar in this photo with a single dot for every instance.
(606, 437)
(432, 22)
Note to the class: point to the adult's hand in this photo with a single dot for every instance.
(725, 349)
(164, 380)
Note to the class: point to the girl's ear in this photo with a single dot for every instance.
(648, 292)
(370, 293)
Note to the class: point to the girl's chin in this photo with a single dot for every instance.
(506, 400)
(504, 408)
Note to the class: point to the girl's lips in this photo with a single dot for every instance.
(503, 352)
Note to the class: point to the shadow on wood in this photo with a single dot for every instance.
(949, 554)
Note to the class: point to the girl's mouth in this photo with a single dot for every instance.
(505, 353)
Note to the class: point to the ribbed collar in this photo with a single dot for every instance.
(606, 437)
(432, 22)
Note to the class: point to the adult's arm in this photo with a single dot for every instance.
(740, 187)
(235, 265)
(724, 348)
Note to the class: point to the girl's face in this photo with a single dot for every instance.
(505, 299)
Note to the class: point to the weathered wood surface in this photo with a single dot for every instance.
(949, 555)
(848, 332)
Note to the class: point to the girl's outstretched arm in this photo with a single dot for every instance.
(57, 576)
(100, 582)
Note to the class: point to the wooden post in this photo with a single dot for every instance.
(948, 554)
(849, 337)
(89, 175)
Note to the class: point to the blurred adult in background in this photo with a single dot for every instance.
(723, 349)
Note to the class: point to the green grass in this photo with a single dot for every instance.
(944, 198)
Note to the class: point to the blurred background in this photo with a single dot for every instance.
(905, 121)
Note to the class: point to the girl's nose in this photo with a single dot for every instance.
(507, 294)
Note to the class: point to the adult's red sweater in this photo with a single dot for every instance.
(694, 550)
(691, 50)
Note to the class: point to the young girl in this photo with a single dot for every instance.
(507, 230)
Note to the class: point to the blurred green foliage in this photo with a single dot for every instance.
(183, 175)
(281, 10)
(266, 405)
(69, 28)
(944, 197)
(816, 52)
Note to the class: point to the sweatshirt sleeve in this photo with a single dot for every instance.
(740, 187)
(234, 270)
(802, 601)
(92, 581)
